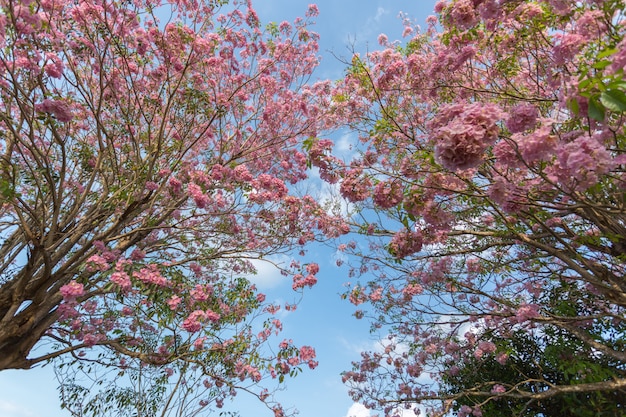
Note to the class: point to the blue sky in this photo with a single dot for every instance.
(322, 319)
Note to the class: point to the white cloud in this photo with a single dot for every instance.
(346, 145)
(380, 12)
(9, 409)
(268, 273)
(358, 410)
(369, 30)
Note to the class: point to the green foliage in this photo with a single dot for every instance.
(538, 360)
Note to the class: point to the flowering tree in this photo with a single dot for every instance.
(150, 150)
(490, 184)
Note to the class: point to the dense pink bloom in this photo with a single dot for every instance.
(300, 281)
(387, 194)
(307, 353)
(405, 243)
(121, 279)
(312, 268)
(527, 312)
(97, 262)
(501, 358)
(539, 145)
(568, 46)
(72, 290)
(173, 302)
(60, 109)
(463, 132)
(411, 290)
(463, 14)
(54, 68)
(90, 339)
(354, 186)
(193, 322)
(312, 11)
(583, 160)
(151, 275)
(212, 316)
(522, 117)
(195, 192)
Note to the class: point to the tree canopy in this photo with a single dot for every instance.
(489, 185)
(150, 151)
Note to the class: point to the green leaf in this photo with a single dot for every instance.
(607, 52)
(614, 100)
(601, 64)
(573, 105)
(596, 110)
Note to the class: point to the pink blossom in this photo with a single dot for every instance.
(388, 194)
(72, 290)
(405, 243)
(502, 358)
(463, 14)
(201, 293)
(152, 186)
(527, 312)
(176, 185)
(193, 322)
(137, 255)
(195, 192)
(90, 339)
(67, 311)
(151, 275)
(583, 160)
(54, 68)
(300, 281)
(522, 117)
(121, 279)
(489, 9)
(173, 302)
(463, 133)
(498, 389)
(60, 109)
(487, 347)
(539, 145)
(212, 316)
(412, 290)
(198, 344)
(569, 44)
(312, 11)
(312, 268)
(307, 353)
(355, 187)
(97, 262)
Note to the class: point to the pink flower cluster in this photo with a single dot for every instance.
(355, 187)
(583, 161)
(199, 197)
(387, 194)
(151, 275)
(307, 354)
(462, 133)
(71, 291)
(405, 243)
(522, 117)
(193, 323)
(300, 281)
(61, 110)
